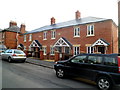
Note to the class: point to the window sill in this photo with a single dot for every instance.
(52, 54)
(52, 38)
(44, 39)
(90, 35)
(76, 36)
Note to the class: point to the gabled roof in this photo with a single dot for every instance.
(101, 42)
(35, 43)
(13, 28)
(68, 23)
(20, 46)
(62, 42)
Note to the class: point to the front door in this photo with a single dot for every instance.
(101, 49)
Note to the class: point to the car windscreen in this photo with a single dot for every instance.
(18, 52)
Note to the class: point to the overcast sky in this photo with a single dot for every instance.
(37, 13)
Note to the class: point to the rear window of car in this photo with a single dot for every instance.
(111, 61)
(18, 52)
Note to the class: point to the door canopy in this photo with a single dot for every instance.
(62, 42)
(35, 43)
(20, 46)
(101, 42)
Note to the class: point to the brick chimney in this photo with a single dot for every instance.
(52, 20)
(77, 15)
(12, 23)
(22, 28)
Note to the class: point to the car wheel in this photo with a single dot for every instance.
(60, 73)
(104, 83)
(9, 60)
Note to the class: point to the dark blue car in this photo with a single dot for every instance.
(104, 69)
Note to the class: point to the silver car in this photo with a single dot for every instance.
(13, 55)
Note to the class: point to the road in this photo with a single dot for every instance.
(25, 75)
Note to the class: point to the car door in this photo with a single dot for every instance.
(93, 66)
(75, 65)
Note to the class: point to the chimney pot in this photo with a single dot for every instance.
(52, 20)
(12, 23)
(77, 14)
(22, 28)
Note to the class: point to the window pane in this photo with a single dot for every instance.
(18, 52)
(77, 50)
(110, 61)
(79, 59)
(95, 59)
(67, 50)
(92, 49)
(92, 29)
(52, 50)
(78, 31)
(92, 59)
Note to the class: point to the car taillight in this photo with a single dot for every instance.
(14, 55)
(119, 64)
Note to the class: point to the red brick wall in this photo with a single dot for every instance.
(10, 40)
(115, 38)
(104, 29)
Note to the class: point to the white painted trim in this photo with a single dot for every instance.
(60, 44)
(35, 43)
(97, 43)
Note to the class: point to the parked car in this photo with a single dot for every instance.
(13, 55)
(1, 51)
(2, 48)
(104, 69)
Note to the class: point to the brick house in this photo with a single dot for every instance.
(65, 39)
(9, 36)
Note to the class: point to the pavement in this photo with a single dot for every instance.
(44, 63)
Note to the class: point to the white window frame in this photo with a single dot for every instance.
(44, 50)
(25, 48)
(76, 50)
(90, 28)
(52, 50)
(89, 49)
(53, 34)
(3, 35)
(25, 38)
(76, 31)
(30, 49)
(45, 35)
(30, 37)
